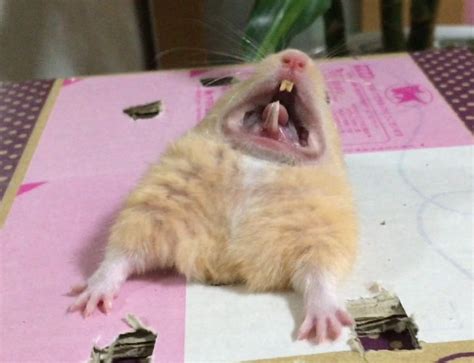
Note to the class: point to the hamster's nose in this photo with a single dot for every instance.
(294, 60)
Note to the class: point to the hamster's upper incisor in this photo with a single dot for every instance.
(256, 194)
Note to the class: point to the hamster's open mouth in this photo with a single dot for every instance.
(277, 119)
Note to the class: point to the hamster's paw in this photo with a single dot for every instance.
(95, 293)
(323, 323)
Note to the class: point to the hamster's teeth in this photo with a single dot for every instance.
(286, 85)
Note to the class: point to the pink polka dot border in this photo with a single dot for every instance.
(20, 106)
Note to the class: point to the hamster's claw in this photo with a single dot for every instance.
(88, 299)
(319, 326)
(344, 317)
(77, 289)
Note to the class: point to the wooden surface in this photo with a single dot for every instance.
(178, 29)
(460, 352)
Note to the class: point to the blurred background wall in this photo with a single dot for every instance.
(61, 38)
(58, 38)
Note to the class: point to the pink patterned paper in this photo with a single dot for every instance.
(91, 154)
(389, 104)
(72, 80)
(25, 188)
(88, 134)
(45, 250)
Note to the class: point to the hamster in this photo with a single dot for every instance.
(256, 194)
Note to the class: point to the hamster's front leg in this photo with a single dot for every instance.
(103, 286)
(137, 243)
(324, 315)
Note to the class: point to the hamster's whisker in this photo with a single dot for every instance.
(231, 73)
(216, 80)
(232, 34)
(209, 63)
(244, 37)
(163, 53)
(334, 51)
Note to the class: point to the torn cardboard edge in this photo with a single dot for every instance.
(136, 346)
(446, 352)
(384, 333)
(381, 323)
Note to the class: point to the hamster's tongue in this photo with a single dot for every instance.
(277, 119)
(274, 114)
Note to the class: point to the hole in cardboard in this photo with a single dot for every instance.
(382, 324)
(133, 347)
(147, 110)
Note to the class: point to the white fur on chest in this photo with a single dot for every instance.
(255, 173)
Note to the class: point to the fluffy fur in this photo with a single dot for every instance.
(196, 212)
(223, 214)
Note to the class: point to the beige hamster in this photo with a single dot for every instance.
(256, 194)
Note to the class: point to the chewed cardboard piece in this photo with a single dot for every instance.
(134, 346)
(148, 110)
(382, 324)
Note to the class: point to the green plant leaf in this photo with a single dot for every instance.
(273, 23)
